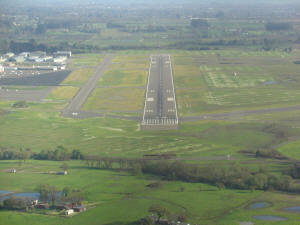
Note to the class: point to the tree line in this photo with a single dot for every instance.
(60, 153)
(235, 176)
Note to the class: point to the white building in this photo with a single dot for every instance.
(3, 59)
(1, 69)
(9, 55)
(24, 54)
(60, 60)
(63, 53)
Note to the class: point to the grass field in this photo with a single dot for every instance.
(116, 99)
(128, 71)
(63, 93)
(228, 80)
(85, 60)
(78, 77)
(107, 189)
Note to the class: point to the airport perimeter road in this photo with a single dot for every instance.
(160, 110)
(73, 109)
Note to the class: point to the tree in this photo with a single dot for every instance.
(41, 29)
(159, 211)
(220, 185)
(147, 221)
(66, 192)
(14, 203)
(64, 166)
(76, 154)
(199, 23)
(53, 194)
(75, 197)
(182, 217)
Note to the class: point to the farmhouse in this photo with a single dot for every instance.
(79, 208)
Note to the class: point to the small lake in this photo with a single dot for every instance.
(32, 195)
(270, 218)
(259, 205)
(2, 192)
(295, 209)
(271, 82)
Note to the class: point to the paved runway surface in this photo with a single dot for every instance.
(73, 109)
(14, 94)
(160, 110)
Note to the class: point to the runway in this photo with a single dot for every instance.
(160, 110)
(73, 109)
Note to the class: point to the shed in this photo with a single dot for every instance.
(62, 172)
(42, 206)
(13, 170)
(79, 208)
(62, 207)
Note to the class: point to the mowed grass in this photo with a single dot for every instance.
(126, 71)
(63, 93)
(85, 60)
(291, 149)
(116, 99)
(38, 131)
(78, 77)
(224, 82)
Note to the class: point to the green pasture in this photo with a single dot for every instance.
(121, 198)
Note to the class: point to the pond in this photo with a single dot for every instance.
(271, 82)
(259, 205)
(32, 195)
(295, 209)
(270, 218)
(2, 192)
